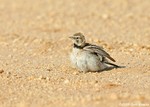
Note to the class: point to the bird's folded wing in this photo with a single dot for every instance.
(98, 50)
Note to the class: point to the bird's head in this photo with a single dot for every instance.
(78, 39)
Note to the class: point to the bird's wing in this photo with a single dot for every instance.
(98, 50)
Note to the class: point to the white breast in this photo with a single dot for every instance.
(73, 57)
(85, 61)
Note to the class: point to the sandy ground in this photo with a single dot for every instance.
(35, 70)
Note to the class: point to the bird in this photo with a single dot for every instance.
(88, 57)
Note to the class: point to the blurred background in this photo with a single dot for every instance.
(117, 20)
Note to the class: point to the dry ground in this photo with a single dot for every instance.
(35, 70)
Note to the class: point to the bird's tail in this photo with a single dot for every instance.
(116, 66)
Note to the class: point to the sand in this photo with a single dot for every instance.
(35, 69)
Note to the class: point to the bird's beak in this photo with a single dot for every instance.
(71, 37)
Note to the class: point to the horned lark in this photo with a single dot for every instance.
(88, 57)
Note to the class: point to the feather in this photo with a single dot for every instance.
(98, 50)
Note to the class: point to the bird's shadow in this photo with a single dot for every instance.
(111, 67)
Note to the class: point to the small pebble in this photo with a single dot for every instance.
(66, 81)
(105, 16)
(10, 56)
(8, 74)
(49, 69)
(41, 77)
(1, 71)
(97, 90)
(75, 73)
(47, 78)
(131, 50)
(31, 78)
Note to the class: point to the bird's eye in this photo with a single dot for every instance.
(77, 37)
